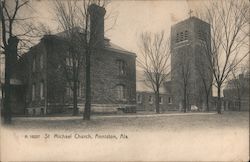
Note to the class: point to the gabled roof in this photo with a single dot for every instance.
(113, 47)
(143, 85)
(108, 45)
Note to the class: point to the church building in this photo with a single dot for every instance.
(190, 74)
(113, 73)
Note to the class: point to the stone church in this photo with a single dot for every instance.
(190, 73)
(113, 74)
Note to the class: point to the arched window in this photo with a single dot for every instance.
(139, 98)
(121, 92)
(150, 99)
(41, 90)
(33, 92)
(121, 67)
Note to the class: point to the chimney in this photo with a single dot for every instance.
(97, 14)
(12, 48)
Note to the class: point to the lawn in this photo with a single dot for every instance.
(202, 137)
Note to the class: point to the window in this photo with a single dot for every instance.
(79, 90)
(139, 98)
(186, 35)
(69, 91)
(121, 94)
(34, 65)
(121, 67)
(69, 61)
(177, 38)
(181, 37)
(150, 99)
(42, 90)
(160, 100)
(33, 92)
(169, 100)
(41, 61)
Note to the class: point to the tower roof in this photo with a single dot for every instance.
(190, 20)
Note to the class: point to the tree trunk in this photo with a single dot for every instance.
(207, 101)
(239, 103)
(207, 105)
(157, 104)
(10, 61)
(185, 100)
(75, 108)
(6, 101)
(87, 110)
(219, 100)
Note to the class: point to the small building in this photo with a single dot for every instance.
(236, 93)
(145, 96)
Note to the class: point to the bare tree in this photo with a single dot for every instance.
(68, 17)
(205, 74)
(13, 39)
(238, 83)
(154, 61)
(83, 14)
(184, 72)
(229, 22)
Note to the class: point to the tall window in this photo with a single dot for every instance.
(41, 61)
(34, 65)
(33, 92)
(186, 35)
(121, 67)
(177, 38)
(121, 93)
(69, 91)
(169, 100)
(42, 90)
(79, 90)
(69, 61)
(139, 98)
(150, 99)
(160, 100)
(181, 37)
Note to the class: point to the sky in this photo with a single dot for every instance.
(133, 17)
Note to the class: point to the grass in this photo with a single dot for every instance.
(102, 123)
(192, 137)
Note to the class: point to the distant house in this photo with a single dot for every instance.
(113, 75)
(236, 93)
(145, 97)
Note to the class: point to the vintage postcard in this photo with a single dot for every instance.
(132, 80)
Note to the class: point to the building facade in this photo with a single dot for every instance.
(47, 88)
(236, 93)
(145, 96)
(189, 62)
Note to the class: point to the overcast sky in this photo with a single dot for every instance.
(133, 17)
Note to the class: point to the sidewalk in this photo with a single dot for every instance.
(135, 115)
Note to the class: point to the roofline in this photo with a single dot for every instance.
(193, 17)
(120, 51)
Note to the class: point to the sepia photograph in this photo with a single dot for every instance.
(124, 80)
